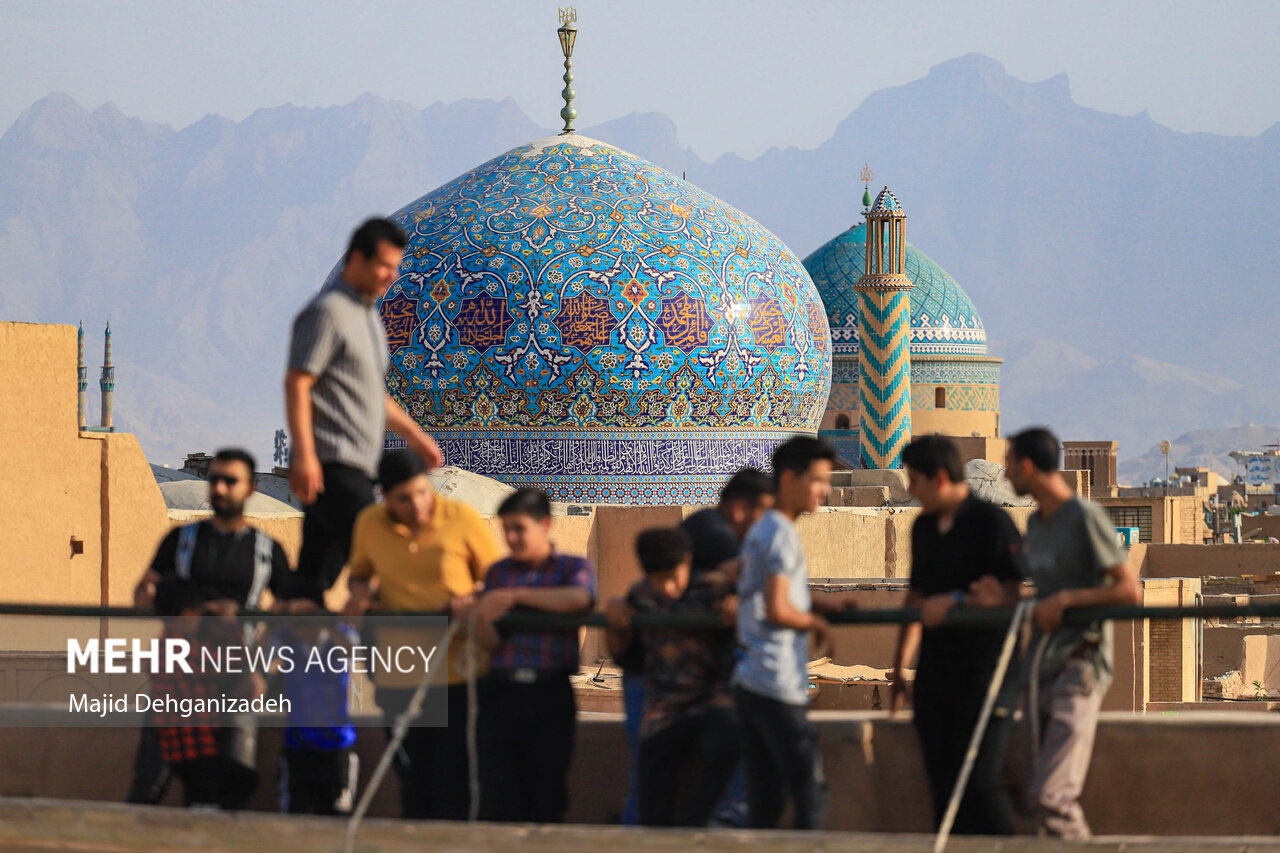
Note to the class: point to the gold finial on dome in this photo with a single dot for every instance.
(568, 34)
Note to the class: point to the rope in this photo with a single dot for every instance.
(471, 668)
(1033, 701)
(398, 733)
(472, 665)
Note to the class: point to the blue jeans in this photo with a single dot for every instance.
(633, 705)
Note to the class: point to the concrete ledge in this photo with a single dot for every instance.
(1185, 774)
(42, 825)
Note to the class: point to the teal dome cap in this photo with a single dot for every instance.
(886, 202)
(943, 318)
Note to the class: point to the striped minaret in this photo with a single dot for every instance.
(884, 337)
(107, 383)
(82, 381)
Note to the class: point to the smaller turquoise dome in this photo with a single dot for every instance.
(943, 318)
(886, 202)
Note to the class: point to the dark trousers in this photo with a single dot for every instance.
(327, 523)
(150, 774)
(525, 735)
(700, 749)
(780, 755)
(315, 779)
(435, 781)
(945, 716)
(214, 781)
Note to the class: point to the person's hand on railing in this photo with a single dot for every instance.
(358, 603)
(934, 609)
(144, 594)
(727, 607)
(225, 609)
(495, 604)
(618, 614)
(1048, 612)
(986, 591)
(459, 606)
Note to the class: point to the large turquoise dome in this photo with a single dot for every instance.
(572, 317)
(943, 319)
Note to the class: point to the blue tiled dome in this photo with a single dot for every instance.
(886, 202)
(572, 317)
(943, 319)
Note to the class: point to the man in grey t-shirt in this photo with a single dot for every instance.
(337, 401)
(1075, 561)
(776, 615)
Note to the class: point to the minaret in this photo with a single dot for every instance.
(108, 381)
(82, 379)
(884, 337)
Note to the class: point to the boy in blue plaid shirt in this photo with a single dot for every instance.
(527, 711)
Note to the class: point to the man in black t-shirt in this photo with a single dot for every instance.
(963, 551)
(223, 556)
(229, 563)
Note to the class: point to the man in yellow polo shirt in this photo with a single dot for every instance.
(418, 550)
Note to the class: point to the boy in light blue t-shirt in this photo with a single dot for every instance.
(776, 615)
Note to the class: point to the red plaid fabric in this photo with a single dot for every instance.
(185, 738)
(178, 744)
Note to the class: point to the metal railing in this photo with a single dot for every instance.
(961, 616)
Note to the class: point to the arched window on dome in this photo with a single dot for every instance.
(940, 398)
(842, 421)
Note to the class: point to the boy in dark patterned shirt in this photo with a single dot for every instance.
(527, 710)
(689, 722)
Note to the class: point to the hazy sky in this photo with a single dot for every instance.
(735, 76)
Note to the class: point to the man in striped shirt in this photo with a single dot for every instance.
(337, 402)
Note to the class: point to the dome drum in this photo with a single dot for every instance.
(949, 395)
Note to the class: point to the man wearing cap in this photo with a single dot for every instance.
(417, 551)
(337, 402)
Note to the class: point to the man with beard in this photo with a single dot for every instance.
(230, 564)
(222, 555)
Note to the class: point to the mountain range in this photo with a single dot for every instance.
(1204, 448)
(1121, 268)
